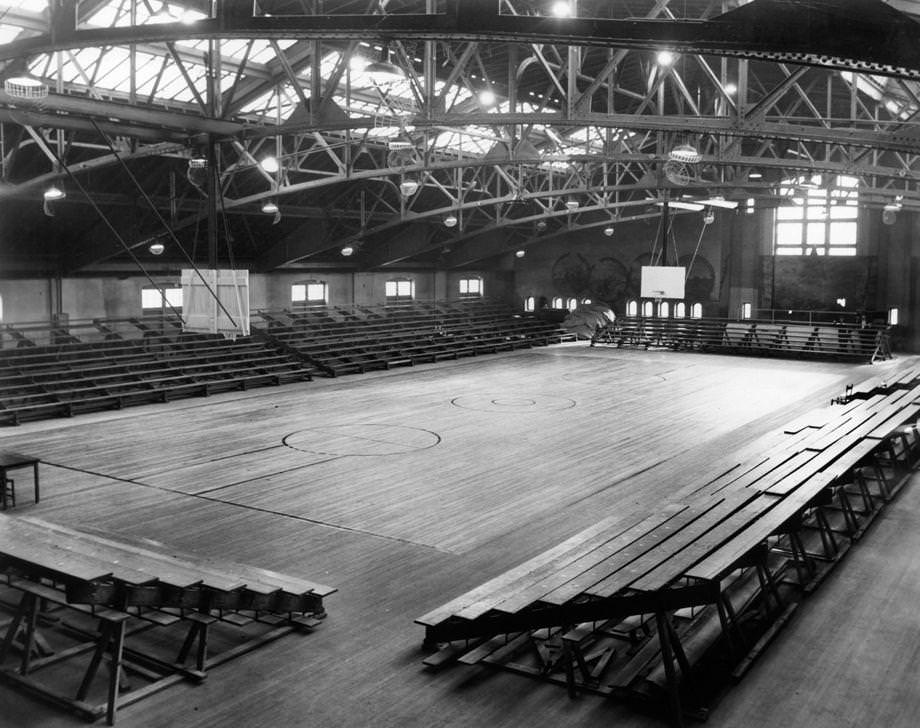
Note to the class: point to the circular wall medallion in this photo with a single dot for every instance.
(512, 403)
(361, 439)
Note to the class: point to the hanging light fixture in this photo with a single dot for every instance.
(25, 87)
(347, 251)
(571, 204)
(450, 220)
(685, 154)
(408, 186)
(156, 248)
(269, 207)
(709, 217)
(520, 253)
(54, 193)
(608, 231)
(270, 164)
(384, 71)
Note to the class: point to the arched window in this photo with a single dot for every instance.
(530, 303)
(648, 309)
(399, 289)
(571, 304)
(696, 311)
(586, 301)
(557, 302)
(680, 310)
(632, 308)
(746, 310)
(664, 309)
(893, 316)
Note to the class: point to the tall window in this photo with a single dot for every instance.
(632, 308)
(664, 309)
(696, 311)
(680, 310)
(571, 304)
(530, 303)
(471, 287)
(745, 310)
(648, 308)
(820, 217)
(400, 289)
(153, 300)
(310, 293)
(557, 302)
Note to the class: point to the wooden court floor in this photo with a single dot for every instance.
(405, 488)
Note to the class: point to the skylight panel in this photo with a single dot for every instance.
(30, 6)
(9, 33)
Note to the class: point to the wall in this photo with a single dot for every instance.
(119, 297)
(588, 264)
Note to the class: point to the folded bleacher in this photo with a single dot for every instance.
(670, 606)
(80, 598)
(790, 339)
(49, 370)
(341, 340)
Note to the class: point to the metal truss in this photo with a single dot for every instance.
(519, 125)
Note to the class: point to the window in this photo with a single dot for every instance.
(822, 216)
(471, 286)
(680, 310)
(664, 309)
(400, 289)
(696, 311)
(746, 310)
(648, 309)
(632, 308)
(892, 316)
(557, 302)
(571, 304)
(586, 301)
(530, 304)
(154, 299)
(310, 292)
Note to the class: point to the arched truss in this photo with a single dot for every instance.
(583, 111)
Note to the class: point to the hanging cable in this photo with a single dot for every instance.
(121, 240)
(695, 251)
(164, 223)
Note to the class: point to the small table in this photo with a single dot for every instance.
(11, 461)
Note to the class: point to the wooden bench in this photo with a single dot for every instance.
(693, 561)
(129, 588)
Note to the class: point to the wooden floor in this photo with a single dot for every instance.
(405, 488)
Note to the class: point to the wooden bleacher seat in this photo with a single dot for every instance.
(709, 577)
(128, 588)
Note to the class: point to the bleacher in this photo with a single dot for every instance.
(670, 606)
(49, 370)
(59, 369)
(340, 340)
(790, 339)
(157, 617)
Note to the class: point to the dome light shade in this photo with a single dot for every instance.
(348, 250)
(450, 221)
(520, 253)
(571, 204)
(269, 207)
(270, 164)
(156, 248)
(383, 72)
(25, 87)
(608, 231)
(665, 58)
(55, 193)
(408, 187)
(685, 154)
